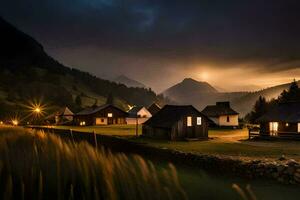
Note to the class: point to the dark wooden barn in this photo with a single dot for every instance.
(101, 115)
(283, 120)
(177, 123)
(154, 108)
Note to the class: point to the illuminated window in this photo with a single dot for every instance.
(298, 127)
(273, 127)
(189, 121)
(199, 120)
(109, 115)
(82, 123)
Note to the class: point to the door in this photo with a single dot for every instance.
(273, 128)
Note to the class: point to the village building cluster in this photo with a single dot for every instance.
(173, 122)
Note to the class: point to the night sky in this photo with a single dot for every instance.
(234, 45)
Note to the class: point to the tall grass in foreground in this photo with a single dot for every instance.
(35, 165)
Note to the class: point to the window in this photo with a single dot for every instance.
(199, 121)
(298, 127)
(189, 121)
(82, 123)
(228, 119)
(109, 114)
(273, 128)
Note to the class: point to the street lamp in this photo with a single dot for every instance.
(37, 110)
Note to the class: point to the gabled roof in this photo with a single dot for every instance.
(93, 110)
(218, 110)
(170, 114)
(134, 111)
(65, 111)
(154, 108)
(284, 112)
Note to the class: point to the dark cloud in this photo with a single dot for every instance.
(221, 33)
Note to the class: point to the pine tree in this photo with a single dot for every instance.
(260, 107)
(292, 94)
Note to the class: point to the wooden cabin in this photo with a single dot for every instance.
(176, 123)
(138, 115)
(281, 121)
(102, 115)
(60, 117)
(222, 114)
(154, 108)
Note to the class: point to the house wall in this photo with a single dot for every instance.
(233, 120)
(282, 127)
(155, 132)
(133, 120)
(118, 117)
(101, 121)
(180, 130)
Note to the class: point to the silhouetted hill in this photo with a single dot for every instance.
(246, 102)
(27, 73)
(201, 94)
(188, 89)
(128, 82)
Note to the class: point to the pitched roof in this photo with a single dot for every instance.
(65, 111)
(218, 110)
(92, 110)
(284, 112)
(133, 111)
(170, 114)
(154, 108)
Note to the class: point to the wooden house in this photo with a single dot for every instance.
(283, 120)
(177, 123)
(60, 117)
(222, 114)
(138, 115)
(154, 108)
(102, 115)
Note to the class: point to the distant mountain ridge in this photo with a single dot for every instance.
(128, 81)
(188, 88)
(201, 94)
(27, 73)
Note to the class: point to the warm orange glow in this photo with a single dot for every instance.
(15, 122)
(37, 110)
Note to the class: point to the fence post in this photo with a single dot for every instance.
(95, 139)
(71, 132)
(249, 133)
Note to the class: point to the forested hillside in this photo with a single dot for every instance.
(27, 73)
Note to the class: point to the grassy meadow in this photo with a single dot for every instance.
(232, 143)
(222, 142)
(35, 165)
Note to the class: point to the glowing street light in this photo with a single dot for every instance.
(15, 122)
(37, 110)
